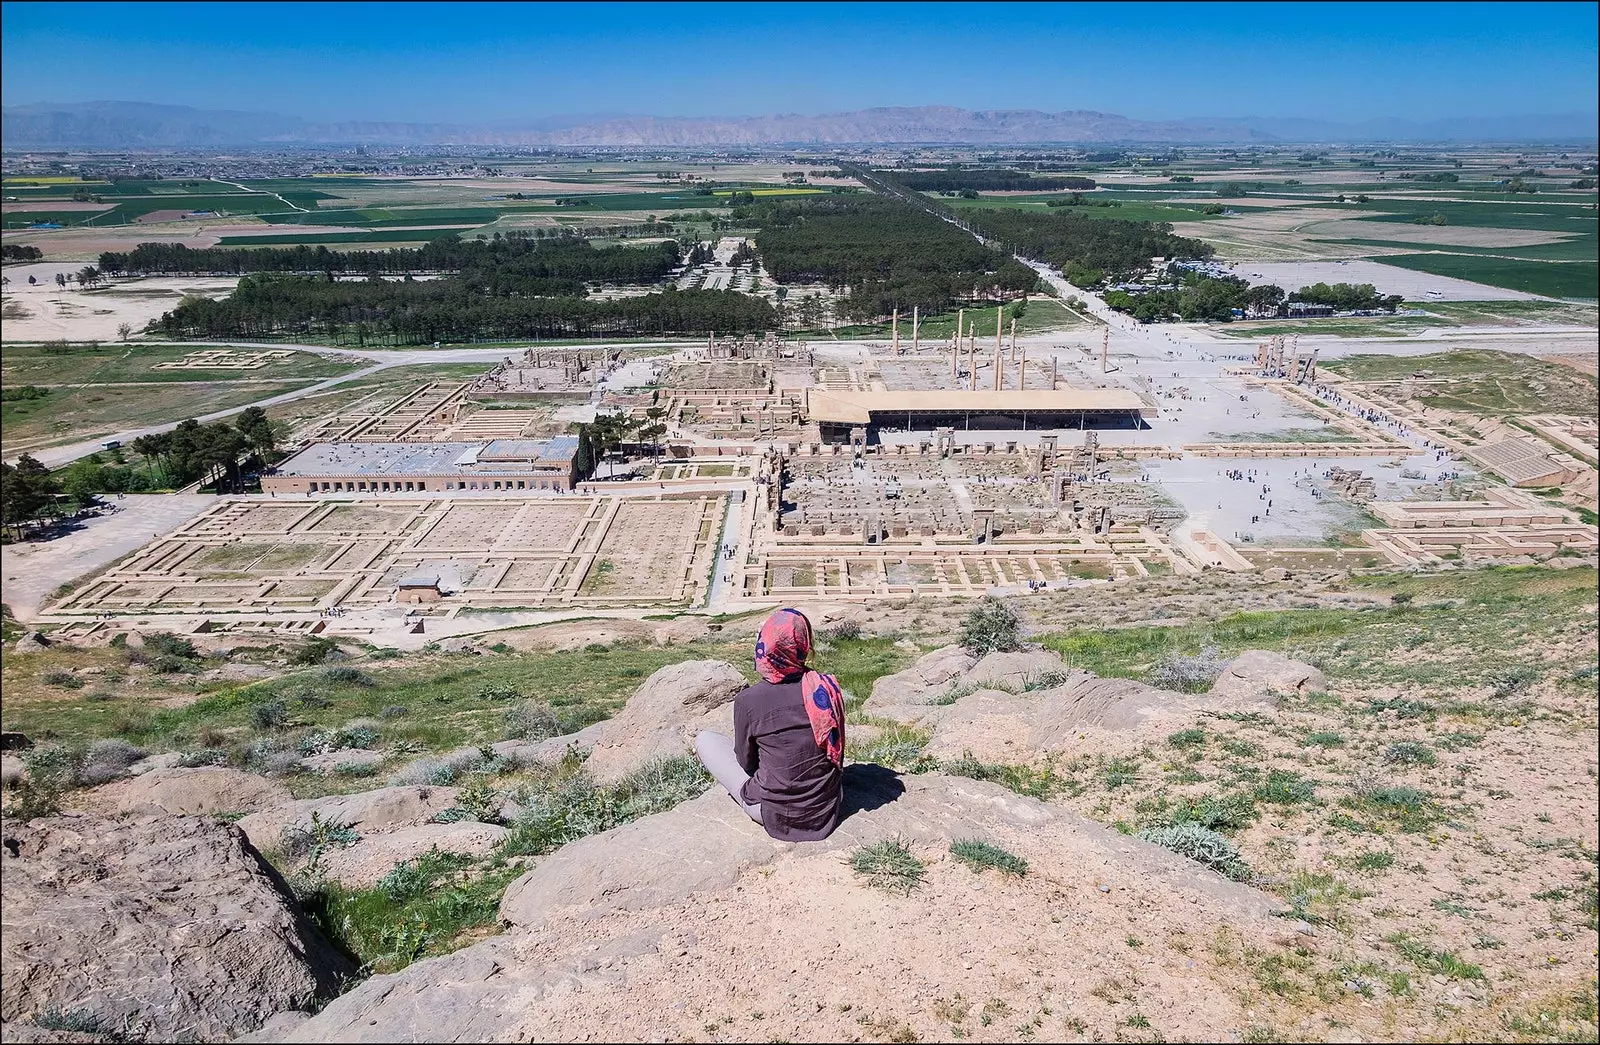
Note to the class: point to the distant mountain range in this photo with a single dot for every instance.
(140, 125)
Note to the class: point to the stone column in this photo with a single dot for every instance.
(895, 326)
(916, 331)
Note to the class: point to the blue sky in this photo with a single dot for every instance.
(483, 62)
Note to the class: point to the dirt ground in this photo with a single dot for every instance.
(1388, 279)
(35, 569)
(46, 312)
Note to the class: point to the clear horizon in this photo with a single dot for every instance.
(481, 63)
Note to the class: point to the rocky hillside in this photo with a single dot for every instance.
(1368, 816)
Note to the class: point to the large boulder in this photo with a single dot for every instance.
(362, 864)
(382, 809)
(1256, 675)
(167, 929)
(923, 682)
(662, 717)
(1017, 671)
(170, 792)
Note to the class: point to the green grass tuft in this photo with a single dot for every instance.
(978, 855)
(888, 865)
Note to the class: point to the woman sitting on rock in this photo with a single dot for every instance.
(785, 763)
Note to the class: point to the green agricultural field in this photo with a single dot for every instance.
(380, 217)
(1582, 248)
(1131, 211)
(64, 188)
(1519, 213)
(115, 364)
(388, 236)
(68, 415)
(128, 210)
(1499, 313)
(1556, 279)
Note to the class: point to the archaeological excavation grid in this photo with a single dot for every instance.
(248, 557)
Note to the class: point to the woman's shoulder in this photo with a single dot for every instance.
(763, 692)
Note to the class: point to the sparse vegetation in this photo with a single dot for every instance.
(888, 865)
(1202, 845)
(979, 855)
(992, 627)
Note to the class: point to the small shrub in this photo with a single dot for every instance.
(168, 664)
(563, 803)
(1403, 707)
(888, 865)
(1286, 789)
(345, 675)
(203, 757)
(315, 650)
(1201, 845)
(1119, 773)
(412, 878)
(106, 761)
(992, 627)
(166, 644)
(313, 840)
(1401, 598)
(1187, 738)
(72, 1021)
(1042, 783)
(271, 714)
(1325, 739)
(1046, 680)
(447, 769)
(1376, 860)
(499, 694)
(843, 631)
(1188, 674)
(1229, 811)
(1511, 681)
(481, 802)
(1410, 753)
(530, 720)
(979, 855)
(394, 711)
(324, 741)
(896, 746)
(63, 679)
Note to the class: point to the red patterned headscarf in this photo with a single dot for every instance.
(781, 652)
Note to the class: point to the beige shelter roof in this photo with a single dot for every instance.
(847, 406)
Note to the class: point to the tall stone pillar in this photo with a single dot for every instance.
(895, 326)
(916, 331)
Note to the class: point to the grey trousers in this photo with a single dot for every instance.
(715, 751)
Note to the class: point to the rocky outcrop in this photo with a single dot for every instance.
(362, 864)
(383, 809)
(662, 717)
(170, 928)
(639, 932)
(1010, 707)
(170, 792)
(1255, 675)
(923, 682)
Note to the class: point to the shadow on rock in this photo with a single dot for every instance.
(869, 786)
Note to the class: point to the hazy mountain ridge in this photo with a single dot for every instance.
(124, 125)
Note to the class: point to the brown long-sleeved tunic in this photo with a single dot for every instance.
(800, 790)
